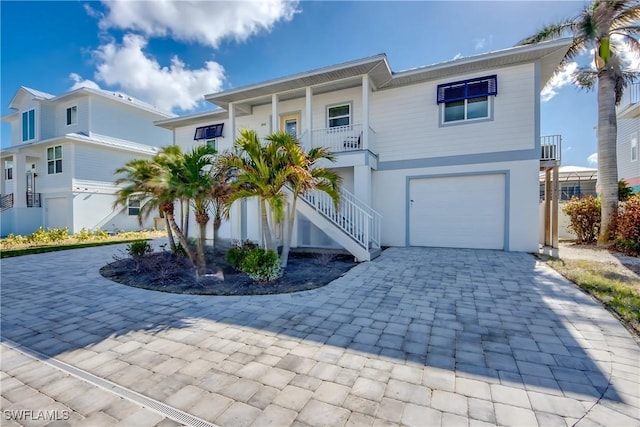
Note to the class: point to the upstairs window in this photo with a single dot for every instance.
(72, 115)
(209, 132)
(339, 115)
(133, 205)
(29, 125)
(212, 143)
(634, 148)
(54, 159)
(467, 99)
(8, 169)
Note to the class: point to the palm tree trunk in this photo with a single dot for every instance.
(286, 244)
(266, 230)
(172, 242)
(217, 223)
(202, 219)
(607, 162)
(182, 239)
(187, 214)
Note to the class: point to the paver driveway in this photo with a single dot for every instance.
(416, 337)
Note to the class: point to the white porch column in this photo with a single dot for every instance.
(275, 120)
(362, 183)
(365, 111)
(232, 121)
(309, 116)
(3, 180)
(20, 180)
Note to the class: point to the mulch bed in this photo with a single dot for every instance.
(161, 271)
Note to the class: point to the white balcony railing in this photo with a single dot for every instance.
(551, 147)
(337, 139)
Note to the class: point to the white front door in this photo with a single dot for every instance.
(289, 123)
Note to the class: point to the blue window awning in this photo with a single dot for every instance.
(467, 89)
(209, 132)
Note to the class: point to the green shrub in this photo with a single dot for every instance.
(139, 248)
(38, 237)
(624, 191)
(100, 234)
(262, 265)
(584, 217)
(83, 235)
(13, 240)
(627, 236)
(58, 234)
(238, 251)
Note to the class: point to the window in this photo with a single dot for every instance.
(29, 125)
(339, 115)
(569, 191)
(72, 115)
(8, 169)
(54, 159)
(212, 143)
(467, 99)
(209, 132)
(133, 205)
(634, 148)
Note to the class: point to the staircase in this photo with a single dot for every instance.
(353, 224)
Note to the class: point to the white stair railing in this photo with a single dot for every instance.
(352, 216)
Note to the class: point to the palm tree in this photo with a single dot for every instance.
(305, 176)
(220, 193)
(136, 176)
(606, 26)
(192, 179)
(259, 171)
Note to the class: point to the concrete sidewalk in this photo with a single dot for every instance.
(416, 337)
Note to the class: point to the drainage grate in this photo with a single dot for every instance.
(161, 408)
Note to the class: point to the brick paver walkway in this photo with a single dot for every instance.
(416, 337)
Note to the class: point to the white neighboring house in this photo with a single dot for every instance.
(59, 170)
(628, 150)
(445, 155)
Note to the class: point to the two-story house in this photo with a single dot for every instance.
(446, 155)
(59, 170)
(628, 150)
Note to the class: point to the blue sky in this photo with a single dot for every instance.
(171, 53)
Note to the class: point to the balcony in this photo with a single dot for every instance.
(338, 139)
(551, 149)
(34, 200)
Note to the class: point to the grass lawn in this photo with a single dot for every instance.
(71, 243)
(617, 288)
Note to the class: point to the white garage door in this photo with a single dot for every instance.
(57, 215)
(458, 211)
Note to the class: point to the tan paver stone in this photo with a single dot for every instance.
(449, 402)
(510, 396)
(141, 418)
(210, 406)
(407, 374)
(238, 415)
(276, 377)
(197, 368)
(390, 410)
(358, 404)
(324, 371)
(331, 393)
(454, 420)
(320, 414)
(263, 397)
(420, 416)
(508, 415)
(186, 397)
(357, 420)
(556, 405)
(368, 389)
(297, 364)
(407, 392)
(439, 379)
(276, 416)
(473, 388)
(241, 390)
(293, 397)
(91, 401)
(97, 419)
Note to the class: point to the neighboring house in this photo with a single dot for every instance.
(628, 150)
(59, 170)
(574, 181)
(446, 155)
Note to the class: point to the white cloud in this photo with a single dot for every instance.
(80, 82)
(458, 56)
(593, 159)
(205, 22)
(560, 79)
(167, 87)
(480, 43)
